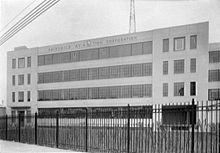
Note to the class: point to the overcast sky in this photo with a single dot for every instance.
(72, 20)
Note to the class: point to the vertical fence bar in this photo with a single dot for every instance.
(35, 128)
(57, 129)
(19, 127)
(193, 111)
(86, 135)
(128, 130)
(6, 127)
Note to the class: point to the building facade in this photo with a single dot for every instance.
(144, 68)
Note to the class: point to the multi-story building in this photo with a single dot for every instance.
(144, 68)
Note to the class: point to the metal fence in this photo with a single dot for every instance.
(173, 128)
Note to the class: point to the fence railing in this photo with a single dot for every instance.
(173, 128)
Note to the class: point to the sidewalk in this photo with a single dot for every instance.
(16, 147)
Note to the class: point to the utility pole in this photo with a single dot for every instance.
(132, 22)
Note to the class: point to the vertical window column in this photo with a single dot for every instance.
(165, 89)
(165, 45)
(14, 63)
(28, 96)
(193, 65)
(13, 80)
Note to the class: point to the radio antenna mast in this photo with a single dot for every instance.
(132, 22)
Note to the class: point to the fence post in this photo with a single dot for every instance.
(86, 140)
(193, 122)
(57, 129)
(19, 127)
(6, 127)
(128, 130)
(35, 132)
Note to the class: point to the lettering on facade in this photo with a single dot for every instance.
(93, 43)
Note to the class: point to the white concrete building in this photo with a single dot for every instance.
(144, 68)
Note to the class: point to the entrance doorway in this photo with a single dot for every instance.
(21, 114)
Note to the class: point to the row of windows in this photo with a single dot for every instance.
(21, 62)
(94, 54)
(21, 96)
(119, 71)
(111, 92)
(179, 89)
(214, 75)
(179, 66)
(214, 56)
(179, 43)
(214, 94)
(21, 79)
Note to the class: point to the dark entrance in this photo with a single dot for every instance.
(21, 114)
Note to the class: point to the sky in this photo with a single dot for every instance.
(73, 20)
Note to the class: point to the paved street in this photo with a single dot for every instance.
(15, 147)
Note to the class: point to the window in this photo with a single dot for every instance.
(192, 88)
(20, 96)
(13, 80)
(64, 57)
(148, 90)
(193, 42)
(147, 47)
(103, 53)
(165, 67)
(214, 57)
(74, 75)
(147, 69)
(29, 79)
(165, 45)
(14, 63)
(124, 50)
(114, 92)
(74, 94)
(126, 92)
(28, 61)
(41, 60)
(214, 94)
(179, 89)
(165, 89)
(91, 54)
(93, 93)
(103, 73)
(83, 93)
(57, 76)
(84, 74)
(93, 73)
(137, 91)
(66, 76)
(178, 66)
(40, 95)
(74, 56)
(193, 65)
(113, 51)
(21, 62)
(136, 70)
(28, 96)
(136, 49)
(125, 70)
(114, 71)
(66, 93)
(103, 92)
(214, 75)
(48, 59)
(179, 44)
(21, 79)
(13, 96)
